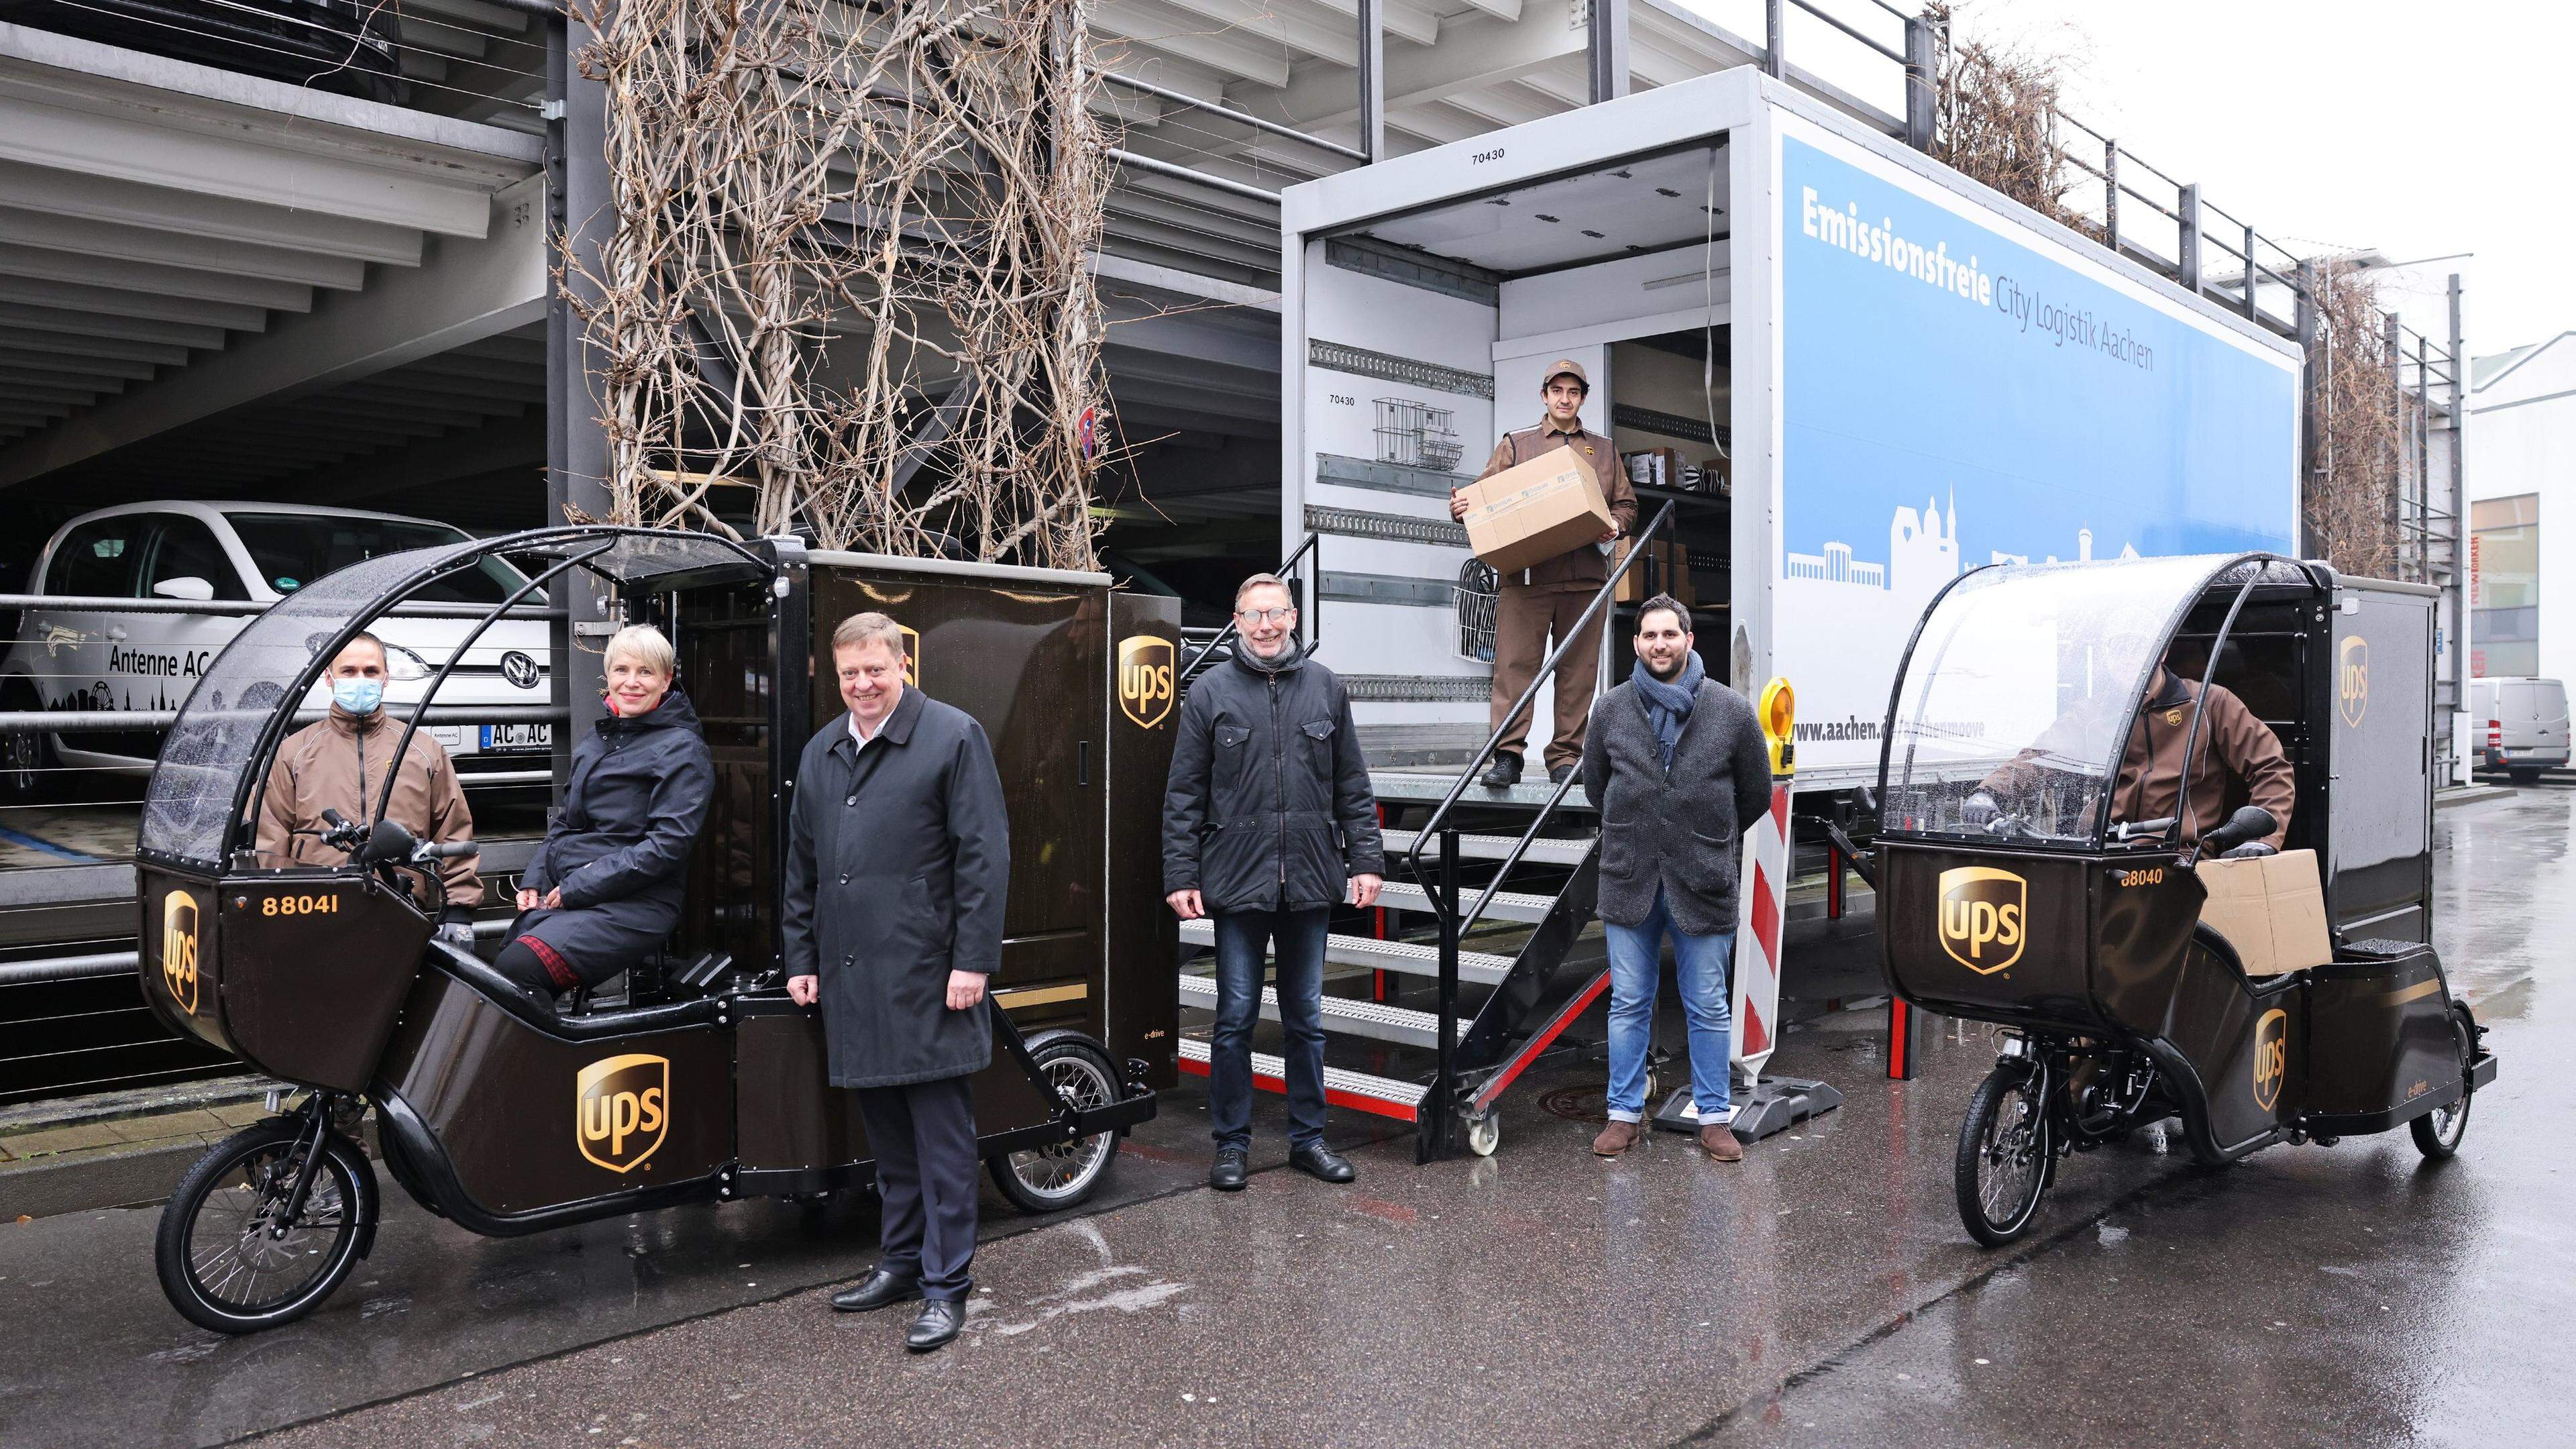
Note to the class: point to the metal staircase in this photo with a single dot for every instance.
(1476, 958)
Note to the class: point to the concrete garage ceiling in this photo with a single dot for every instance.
(209, 278)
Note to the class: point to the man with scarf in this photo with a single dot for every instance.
(1675, 763)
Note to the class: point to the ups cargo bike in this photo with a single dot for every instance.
(2042, 909)
(701, 1081)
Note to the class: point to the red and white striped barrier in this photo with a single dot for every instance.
(1765, 898)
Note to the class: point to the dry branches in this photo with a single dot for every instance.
(848, 272)
(1996, 119)
(2358, 424)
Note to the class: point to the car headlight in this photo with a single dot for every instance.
(403, 664)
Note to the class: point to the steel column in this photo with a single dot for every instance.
(2111, 195)
(1605, 48)
(1922, 77)
(1372, 78)
(2188, 260)
(1775, 36)
(576, 445)
(2303, 312)
(2250, 273)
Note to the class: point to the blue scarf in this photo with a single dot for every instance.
(1668, 706)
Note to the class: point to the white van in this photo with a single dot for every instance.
(2525, 725)
(80, 659)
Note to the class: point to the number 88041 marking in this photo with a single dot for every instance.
(299, 905)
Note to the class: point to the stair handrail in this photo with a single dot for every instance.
(1430, 828)
(1234, 629)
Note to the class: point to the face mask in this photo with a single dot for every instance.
(358, 696)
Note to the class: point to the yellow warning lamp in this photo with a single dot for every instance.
(1779, 716)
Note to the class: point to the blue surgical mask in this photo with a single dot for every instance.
(358, 696)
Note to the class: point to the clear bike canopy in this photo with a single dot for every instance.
(221, 741)
(2023, 683)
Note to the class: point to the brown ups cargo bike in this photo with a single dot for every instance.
(700, 1080)
(2013, 889)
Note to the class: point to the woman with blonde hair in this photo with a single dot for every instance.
(604, 890)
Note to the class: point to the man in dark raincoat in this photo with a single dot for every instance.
(898, 867)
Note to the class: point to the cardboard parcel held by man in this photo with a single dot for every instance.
(1545, 534)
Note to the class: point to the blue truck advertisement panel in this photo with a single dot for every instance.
(1953, 394)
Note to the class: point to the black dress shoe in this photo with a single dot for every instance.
(1504, 773)
(1556, 774)
(1316, 1160)
(1229, 1173)
(876, 1291)
(939, 1321)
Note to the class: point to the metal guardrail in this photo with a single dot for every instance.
(126, 963)
(108, 721)
(117, 604)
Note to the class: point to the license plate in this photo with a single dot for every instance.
(519, 737)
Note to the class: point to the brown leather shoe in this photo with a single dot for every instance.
(1720, 1143)
(1615, 1138)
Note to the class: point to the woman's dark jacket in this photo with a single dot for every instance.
(1268, 805)
(619, 847)
(898, 870)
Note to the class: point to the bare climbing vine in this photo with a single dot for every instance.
(843, 286)
(2359, 420)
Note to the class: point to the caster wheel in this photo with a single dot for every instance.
(1484, 1134)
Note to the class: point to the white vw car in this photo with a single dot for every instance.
(89, 659)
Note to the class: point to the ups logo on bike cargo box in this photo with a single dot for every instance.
(179, 949)
(2352, 678)
(1983, 914)
(621, 1106)
(2271, 1057)
(1145, 679)
(911, 657)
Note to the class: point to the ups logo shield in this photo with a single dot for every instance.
(179, 949)
(2352, 678)
(1145, 679)
(621, 1109)
(1983, 915)
(2271, 1057)
(911, 657)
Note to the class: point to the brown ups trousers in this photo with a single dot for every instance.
(1526, 616)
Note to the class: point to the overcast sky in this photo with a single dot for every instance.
(2416, 129)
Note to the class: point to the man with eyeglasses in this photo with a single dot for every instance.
(1268, 823)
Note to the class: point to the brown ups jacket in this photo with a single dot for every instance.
(318, 769)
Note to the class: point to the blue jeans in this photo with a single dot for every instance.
(1242, 938)
(1701, 973)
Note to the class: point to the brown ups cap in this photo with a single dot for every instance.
(1565, 367)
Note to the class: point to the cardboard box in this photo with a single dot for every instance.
(2272, 909)
(1530, 513)
(1670, 563)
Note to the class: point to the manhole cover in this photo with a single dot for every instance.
(1576, 1104)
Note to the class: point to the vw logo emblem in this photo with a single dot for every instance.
(519, 669)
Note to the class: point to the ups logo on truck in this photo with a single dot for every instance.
(621, 1108)
(179, 949)
(1145, 679)
(2352, 678)
(1983, 913)
(2271, 1057)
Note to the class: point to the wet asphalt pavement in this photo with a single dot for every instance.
(1821, 1293)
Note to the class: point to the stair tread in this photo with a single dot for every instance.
(1373, 1019)
(1547, 850)
(1336, 1079)
(1506, 905)
(1415, 957)
(1434, 785)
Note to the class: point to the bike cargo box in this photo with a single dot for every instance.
(2271, 909)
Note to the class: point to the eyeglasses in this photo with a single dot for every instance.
(1264, 616)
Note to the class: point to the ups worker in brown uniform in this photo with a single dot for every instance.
(1549, 597)
(2232, 741)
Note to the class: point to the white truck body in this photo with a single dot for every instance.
(1920, 377)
